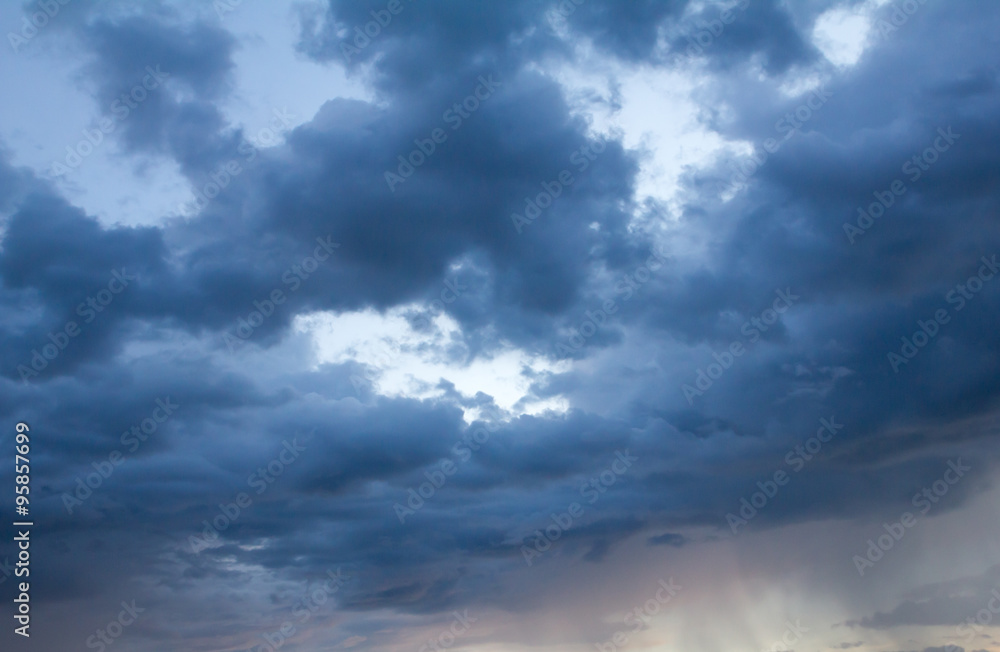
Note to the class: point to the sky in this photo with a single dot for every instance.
(536, 325)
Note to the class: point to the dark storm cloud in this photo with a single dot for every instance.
(195, 60)
(869, 295)
(391, 245)
(785, 231)
(333, 506)
(745, 31)
(79, 280)
(387, 259)
(627, 29)
(439, 33)
(391, 240)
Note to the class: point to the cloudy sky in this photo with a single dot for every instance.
(412, 325)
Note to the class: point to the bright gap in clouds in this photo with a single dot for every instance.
(843, 33)
(120, 188)
(401, 361)
(652, 110)
(270, 75)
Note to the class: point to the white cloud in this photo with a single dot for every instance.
(842, 33)
(653, 110)
(408, 363)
